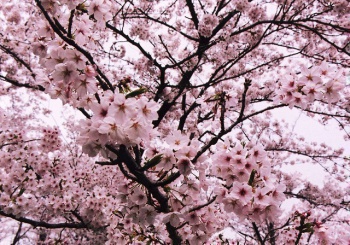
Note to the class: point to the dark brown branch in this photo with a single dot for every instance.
(70, 23)
(216, 138)
(299, 152)
(137, 45)
(203, 205)
(124, 156)
(17, 58)
(45, 224)
(300, 233)
(271, 236)
(173, 234)
(257, 233)
(220, 6)
(18, 234)
(168, 180)
(193, 13)
(296, 23)
(17, 142)
(223, 22)
(247, 84)
(185, 115)
(309, 200)
(85, 113)
(76, 214)
(59, 26)
(24, 85)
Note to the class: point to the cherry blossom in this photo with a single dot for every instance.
(177, 123)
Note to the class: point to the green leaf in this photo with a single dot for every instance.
(153, 162)
(21, 192)
(308, 227)
(118, 213)
(136, 93)
(81, 7)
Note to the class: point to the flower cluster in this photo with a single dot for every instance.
(161, 165)
(50, 140)
(100, 10)
(316, 83)
(207, 25)
(118, 120)
(248, 189)
(140, 31)
(71, 78)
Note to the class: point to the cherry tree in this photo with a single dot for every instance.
(182, 131)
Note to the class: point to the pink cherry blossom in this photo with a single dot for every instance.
(90, 71)
(99, 9)
(184, 165)
(112, 128)
(65, 72)
(138, 197)
(174, 122)
(177, 140)
(84, 85)
(242, 192)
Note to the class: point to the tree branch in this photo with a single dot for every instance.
(45, 224)
(257, 233)
(193, 13)
(24, 85)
